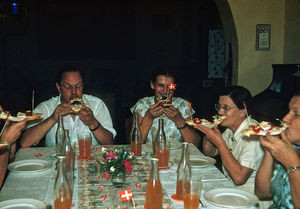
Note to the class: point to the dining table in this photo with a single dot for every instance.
(91, 190)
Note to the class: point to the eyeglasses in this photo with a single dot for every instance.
(69, 87)
(225, 108)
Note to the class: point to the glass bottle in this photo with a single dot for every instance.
(160, 135)
(184, 172)
(67, 151)
(135, 136)
(60, 135)
(62, 191)
(154, 189)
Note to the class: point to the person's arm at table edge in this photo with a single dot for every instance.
(37, 132)
(263, 177)
(102, 135)
(187, 133)
(238, 173)
(209, 149)
(3, 165)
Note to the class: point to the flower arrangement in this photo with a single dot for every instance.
(116, 163)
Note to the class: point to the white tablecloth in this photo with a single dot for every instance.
(40, 185)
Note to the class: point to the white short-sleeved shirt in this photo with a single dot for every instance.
(98, 107)
(171, 131)
(246, 150)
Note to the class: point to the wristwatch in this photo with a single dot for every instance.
(292, 169)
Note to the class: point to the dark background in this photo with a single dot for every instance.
(116, 43)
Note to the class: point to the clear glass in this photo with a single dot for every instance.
(184, 172)
(67, 150)
(154, 189)
(135, 136)
(60, 135)
(85, 142)
(160, 135)
(62, 191)
(191, 194)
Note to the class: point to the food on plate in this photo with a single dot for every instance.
(29, 115)
(76, 104)
(20, 116)
(263, 128)
(164, 101)
(203, 122)
(217, 120)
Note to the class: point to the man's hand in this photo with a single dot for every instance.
(12, 131)
(87, 117)
(281, 149)
(154, 111)
(62, 109)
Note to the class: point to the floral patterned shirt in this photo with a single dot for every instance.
(280, 187)
(171, 131)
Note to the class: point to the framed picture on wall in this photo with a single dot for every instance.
(263, 37)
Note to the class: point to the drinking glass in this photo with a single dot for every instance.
(84, 141)
(191, 194)
(163, 154)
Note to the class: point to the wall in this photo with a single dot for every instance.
(253, 69)
(292, 32)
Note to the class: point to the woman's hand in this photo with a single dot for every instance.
(12, 131)
(281, 149)
(154, 111)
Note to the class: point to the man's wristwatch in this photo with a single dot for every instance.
(94, 129)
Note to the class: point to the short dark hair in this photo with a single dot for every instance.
(239, 95)
(163, 70)
(68, 69)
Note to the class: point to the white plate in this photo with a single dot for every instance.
(29, 166)
(230, 198)
(22, 204)
(173, 145)
(198, 161)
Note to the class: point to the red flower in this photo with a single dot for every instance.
(106, 175)
(127, 164)
(111, 155)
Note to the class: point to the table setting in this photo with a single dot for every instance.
(32, 179)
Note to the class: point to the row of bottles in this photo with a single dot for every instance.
(64, 181)
(154, 188)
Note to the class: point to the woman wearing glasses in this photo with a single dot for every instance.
(241, 156)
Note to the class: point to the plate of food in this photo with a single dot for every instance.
(20, 116)
(217, 119)
(29, 166)
(262, 128)
(198, 161)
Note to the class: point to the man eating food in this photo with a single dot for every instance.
(81, 112)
